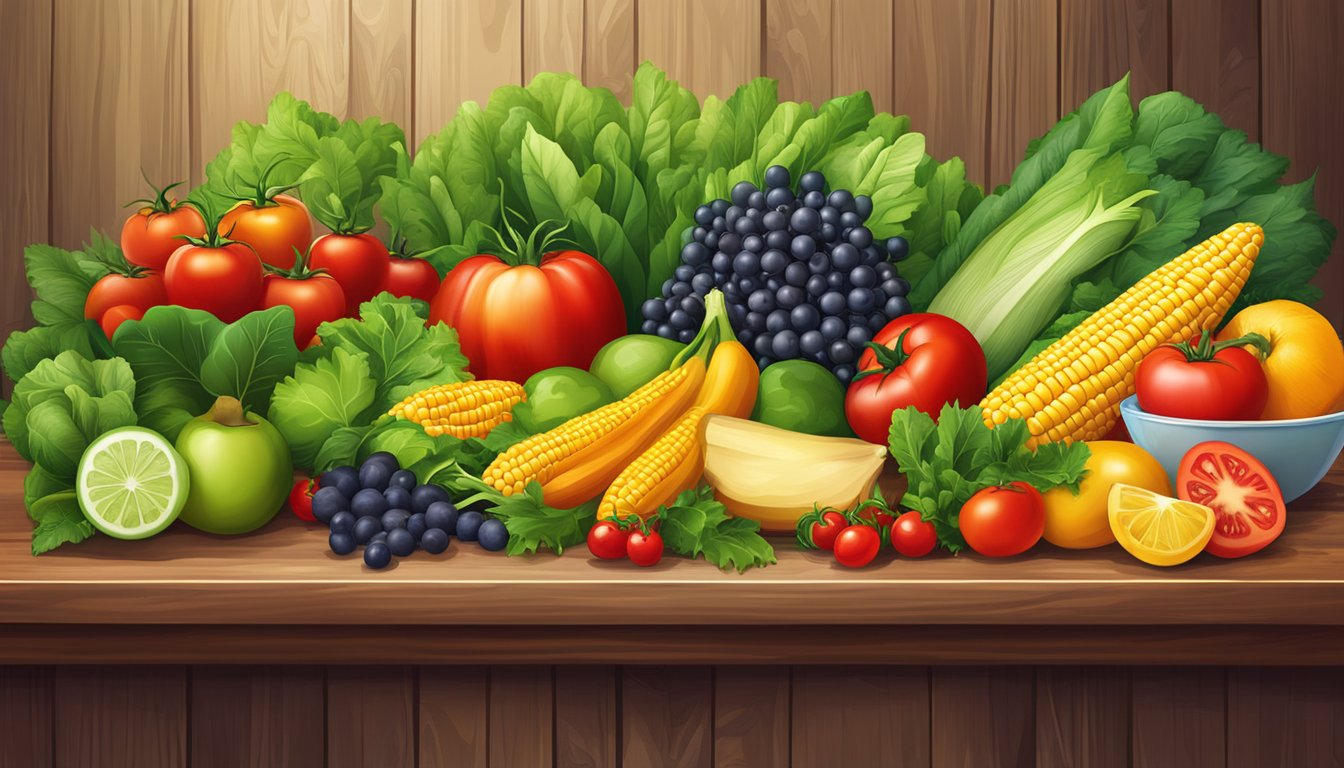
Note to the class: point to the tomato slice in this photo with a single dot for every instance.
(1242, 494)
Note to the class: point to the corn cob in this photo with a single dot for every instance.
(577, 459)
(464, 409)
(669, 466)
(1073, 388)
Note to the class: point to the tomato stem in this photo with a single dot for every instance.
(159, 203)
(888, 358)
(1206, 349)
(300, 270)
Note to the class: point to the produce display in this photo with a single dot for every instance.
(690, 329)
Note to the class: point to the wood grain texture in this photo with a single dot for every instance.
(25, 122)
(371, 717)
(982, 717)
(609, 45)
(522, 704)
(553, 37)
(1300, 90)
(666, 716)
(751, 716)
(25, 717)
(115, 717)
(380, 60)
(709, 46)
(942, 76)
(1022, 103)
(586, 717)
(797, 36)
(120, 68)
(862, 54)
(861, 716)
(1215, 58)
(464, 49)
(263, 717)
(454, 716)
(1178, 717)
(1082, 716)
(1101, 40)
(243, 52)
(1285, 717)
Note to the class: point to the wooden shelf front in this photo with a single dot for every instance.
(281, 588)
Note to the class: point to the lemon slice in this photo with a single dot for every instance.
(132, 483)
(1158, 530)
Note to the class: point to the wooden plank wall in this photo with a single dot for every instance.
(95, 94)
(727, 717)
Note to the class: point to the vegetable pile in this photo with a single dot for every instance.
(630, 327)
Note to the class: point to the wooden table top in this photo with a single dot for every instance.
(285, 575)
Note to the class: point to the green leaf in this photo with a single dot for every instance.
(59, 521)
(333, 186)
(25, 349)
(319, 400)
(62, 280)
(696, 525)
(532, 524)
(167, 349)
(249, 357)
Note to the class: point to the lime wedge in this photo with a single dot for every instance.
(132, 483)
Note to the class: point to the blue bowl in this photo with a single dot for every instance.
(1298, 452)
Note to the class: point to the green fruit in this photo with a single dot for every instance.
(131, 483)
(630, 362)
(802, 396)
(240, 469)
(557, 395)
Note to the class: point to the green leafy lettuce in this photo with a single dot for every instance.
(696, 525)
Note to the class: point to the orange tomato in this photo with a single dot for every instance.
(1305, 366)
(274, 231)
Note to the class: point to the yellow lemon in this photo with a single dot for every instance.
(1081, 522)
(1158, 530)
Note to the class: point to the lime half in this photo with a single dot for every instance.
(132, 483)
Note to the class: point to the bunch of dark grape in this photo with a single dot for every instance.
(382, 507)
(800, 272)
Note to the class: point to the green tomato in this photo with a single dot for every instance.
(630, 362)
(557, 395)
(239, 467)
(802, 396)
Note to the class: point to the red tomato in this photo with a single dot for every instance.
(412, 277)
(825, 531)
(607, 540)
(913, 537)
(114, 317)
(1240, 491)
(358, 262)
(924, 360)
(313, 295)
(1002, 521)
(224, 280)
(152, 233)
(301, 499)
(137, 287)
(274, 227)
(1207, 381)
(515, 320)
(644, 549)
(857, 545)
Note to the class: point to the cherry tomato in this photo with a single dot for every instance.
(412, 277)
(301, 499)
(136, 286)
(913, 537)
(1205, 381)
(924, 360)
(1240, 491)
(224, 280)
(1005, 520)
(607, 540)
(644, 549)
(857, 545)
(825, 532)
(358, 262)
(314, 296)
(115, 316)
(273, 225)
(155, 230)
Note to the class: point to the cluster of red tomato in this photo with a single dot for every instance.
(261, 255)
(617, 540)
(856, 536)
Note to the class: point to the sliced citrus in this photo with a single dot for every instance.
(132, 483)
(1157, 529)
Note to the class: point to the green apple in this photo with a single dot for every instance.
(239, 467)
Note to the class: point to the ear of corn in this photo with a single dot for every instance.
(1073, 388)
(577, 459)
(463, 409)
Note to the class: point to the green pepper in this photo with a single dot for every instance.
(802, 396)
(630, 362)
(557, 395)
